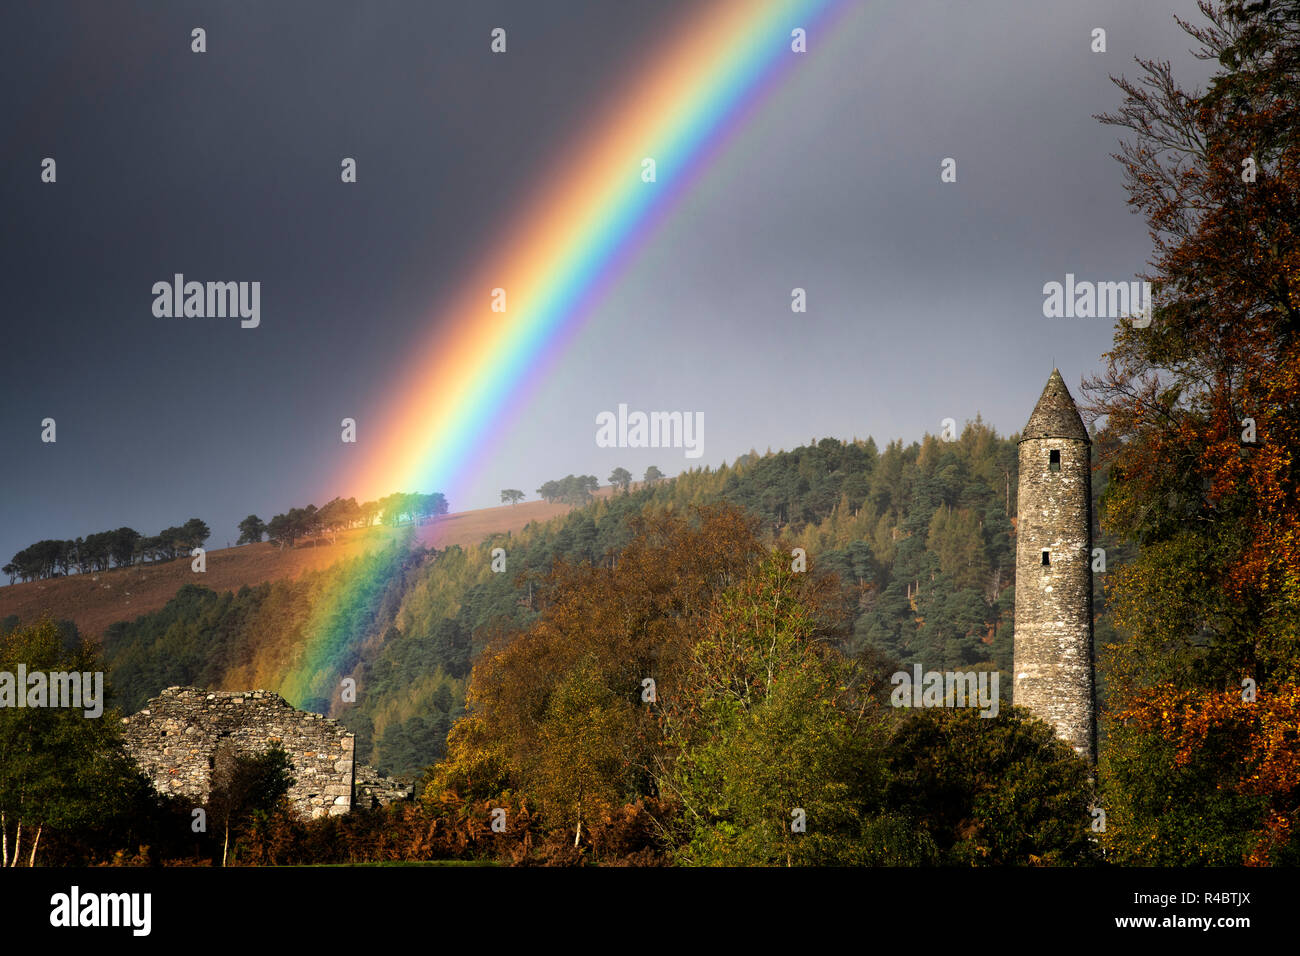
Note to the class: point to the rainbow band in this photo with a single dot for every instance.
(593, 213)
(572, 241)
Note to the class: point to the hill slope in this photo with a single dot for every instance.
(94, 601)
(921, 538)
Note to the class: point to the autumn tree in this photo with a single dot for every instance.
(579, 769)
(536, 698)
(1201, 409)
(1227, 787)
(1200, 415)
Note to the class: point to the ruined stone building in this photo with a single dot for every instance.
(1053, 656)
(176, 737)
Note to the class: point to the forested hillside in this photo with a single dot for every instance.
(920, 537)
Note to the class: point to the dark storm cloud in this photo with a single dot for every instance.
(225, 166)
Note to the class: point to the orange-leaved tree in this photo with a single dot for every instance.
(1199, 409)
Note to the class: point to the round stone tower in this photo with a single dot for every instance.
(1053, 631)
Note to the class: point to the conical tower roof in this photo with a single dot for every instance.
(1055, 415)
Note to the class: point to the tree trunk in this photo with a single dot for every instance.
(226, 845)
(4, 841)
(31, 860)
(18, 842)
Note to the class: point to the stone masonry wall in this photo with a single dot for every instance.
(176, 736)
(1053, 630)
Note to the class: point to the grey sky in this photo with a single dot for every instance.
(924, 298)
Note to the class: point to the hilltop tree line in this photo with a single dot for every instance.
(577, 490)
(341, 514)
(571, 489)
(106, 549)
(126, 546)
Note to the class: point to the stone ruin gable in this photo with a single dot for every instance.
(370, 789)
(175, 738)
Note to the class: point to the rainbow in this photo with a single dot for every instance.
(569, 244)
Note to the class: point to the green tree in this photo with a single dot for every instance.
(778, 738)
(122, 547)
(60, 770)
(244, 785)
(251, 530)
(991, 790)
(511, 496)
(283, 530)
(621, 478)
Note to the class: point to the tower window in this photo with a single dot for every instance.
(1053, 462)
(1047, 559)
